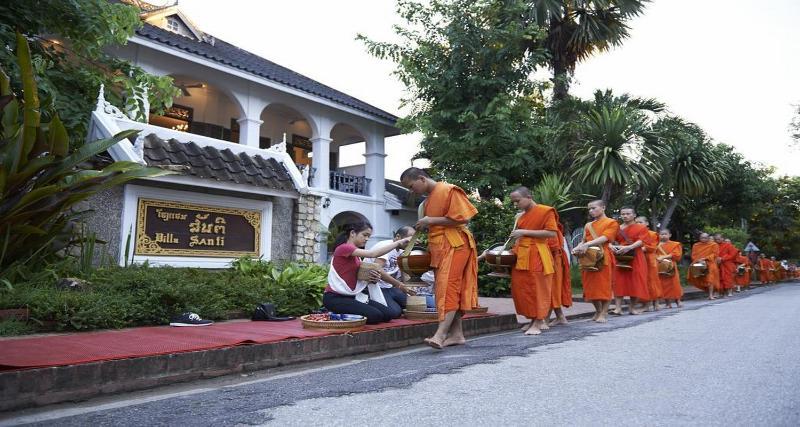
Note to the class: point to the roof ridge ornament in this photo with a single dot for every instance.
(106, 107)
(279, 147)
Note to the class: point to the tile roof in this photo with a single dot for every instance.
(210, 163)
(403, 194)
(228, 54)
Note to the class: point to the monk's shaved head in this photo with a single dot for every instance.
(642, 220)
(627, 208)
(413, 173)
(523, 192)
(598, 202)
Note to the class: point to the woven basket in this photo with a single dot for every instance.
(333, 325)
(416, 307)
(477, 310)
(422, 315)
(365, 268)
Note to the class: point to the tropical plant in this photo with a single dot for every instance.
(688, 166)
(576, 29)
(611, 148)
(41, 178)
(554, 190)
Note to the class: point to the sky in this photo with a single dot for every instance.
(731, 66)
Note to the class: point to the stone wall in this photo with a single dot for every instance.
(105, 221)
(283, 214)
(306, 228)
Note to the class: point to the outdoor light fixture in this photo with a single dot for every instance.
(326, 202)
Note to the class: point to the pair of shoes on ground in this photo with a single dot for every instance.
(189, 319)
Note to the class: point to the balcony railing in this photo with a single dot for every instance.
(349, 183)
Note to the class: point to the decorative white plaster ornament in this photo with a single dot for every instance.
(105, 107)
(279, 147)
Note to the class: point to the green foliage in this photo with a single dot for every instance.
(466, 65)
(738, 236)
(492, 225)
(41, 178)
(139, 295)
(70, 71)
(10, 328)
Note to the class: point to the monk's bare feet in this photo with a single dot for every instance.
(433, 342)
(636, 312)
(669, 305)
(617, 311)
(559, 321)
(542, 325)
(679, 304)
(601, 319)
(454, 341)
(526, 326)
(655, 307)
(533, 330)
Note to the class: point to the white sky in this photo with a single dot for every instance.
(731, 66)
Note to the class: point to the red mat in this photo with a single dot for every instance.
(72, 349)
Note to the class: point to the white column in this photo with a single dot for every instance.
(249, 131)
(320, 161)
(375, 168)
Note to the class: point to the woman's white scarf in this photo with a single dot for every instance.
(340, 287)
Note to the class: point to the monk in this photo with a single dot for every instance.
(562, 280)
(653, 282)
(532, 276)
(672, 251)
(446, 212)
(630, 282)
(706, 250)
(727, 264)
(763, 268)
(597, 285)
(742, 278)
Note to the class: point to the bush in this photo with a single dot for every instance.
(118, 297)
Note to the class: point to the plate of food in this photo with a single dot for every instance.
(333, 321)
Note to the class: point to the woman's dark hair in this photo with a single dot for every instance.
(347, 228)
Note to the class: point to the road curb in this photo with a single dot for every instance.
(44, 386)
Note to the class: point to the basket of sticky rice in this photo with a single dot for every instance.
(333, 321)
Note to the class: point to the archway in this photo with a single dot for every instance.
(202, 109)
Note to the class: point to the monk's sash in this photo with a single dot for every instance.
(340, 287)
(442, 238)
(524, 243)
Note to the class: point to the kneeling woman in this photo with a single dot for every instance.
(344, 293)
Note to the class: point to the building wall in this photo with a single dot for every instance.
(105, 221)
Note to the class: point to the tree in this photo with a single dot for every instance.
(69, 42)
(576, 29)
(688, 166)
(466, 65)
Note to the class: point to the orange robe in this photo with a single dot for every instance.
(632, 283)
(671, 286)
(597, 285)
(742, 279)
(763, 267)
(709, 251)
(454, 256)
(532, 276)
(562, 281)
(727, 268)
(653, 282)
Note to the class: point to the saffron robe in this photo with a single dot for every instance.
(455, 288)
(532, 276)
(671, 286)
(653, 282)
(632, 283)
(744, 279)
(727, 268)
(710, 252)
(597, 285)
(561, 296)
(763, 267)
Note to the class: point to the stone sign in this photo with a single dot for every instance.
(168, 228)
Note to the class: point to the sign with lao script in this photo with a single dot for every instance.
(170, 228)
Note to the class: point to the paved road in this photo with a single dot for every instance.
(731, 362)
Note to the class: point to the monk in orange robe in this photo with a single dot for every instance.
(630, 282)
(532, 276)
(671, 251)
(597, 285)
(562, 280)
(742, 278)
(653, 282)
(763, 268)
(706, 250)
(727, 264)
(453, 252)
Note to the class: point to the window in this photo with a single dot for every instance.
(173, 24)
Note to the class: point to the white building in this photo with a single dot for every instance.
(237, 101)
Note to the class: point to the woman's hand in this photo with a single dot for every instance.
(374, 276)
(406, 290)
(403, 242)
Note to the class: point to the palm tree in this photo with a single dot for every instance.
(689, 167)
(609, 155)
(578, 28)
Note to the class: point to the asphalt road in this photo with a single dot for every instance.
(729, 362)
